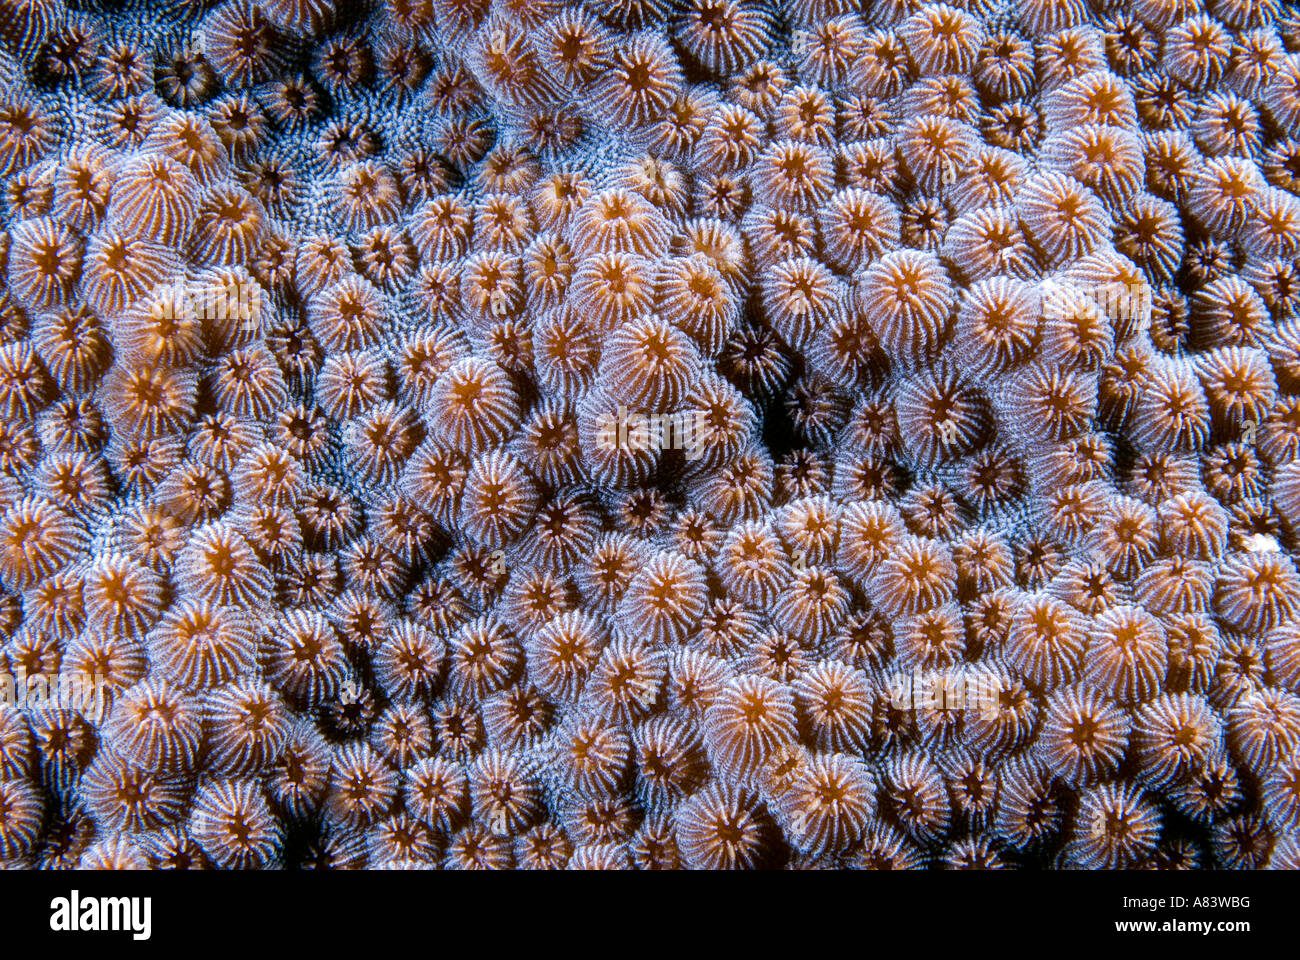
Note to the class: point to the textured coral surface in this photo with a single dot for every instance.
(649, 434)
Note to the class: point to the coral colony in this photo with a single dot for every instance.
(650, 434)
